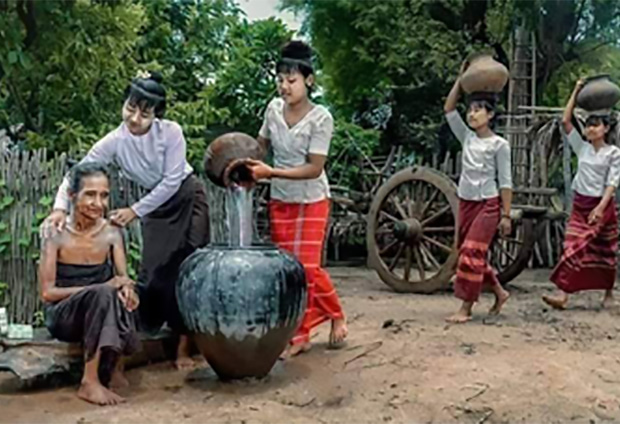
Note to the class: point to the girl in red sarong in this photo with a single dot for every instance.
(591, 237)
(485, 177)
(299, 133)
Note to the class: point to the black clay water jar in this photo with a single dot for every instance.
(243, 305)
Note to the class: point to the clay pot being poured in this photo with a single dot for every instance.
(226, 158)
(242, 302)
(243, 306)
(599, 93)
(484, 74)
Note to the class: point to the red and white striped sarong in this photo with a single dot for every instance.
(300, 228)
(478, 221)
(589, 258)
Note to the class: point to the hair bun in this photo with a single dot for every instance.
(156, 76)
(297, 50)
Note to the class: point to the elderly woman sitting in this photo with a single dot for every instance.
(88, 296)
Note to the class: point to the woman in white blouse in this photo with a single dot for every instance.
(591, 237)
(299, 133)
(150, 151)
(485, 177)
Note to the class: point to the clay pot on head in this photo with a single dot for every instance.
(226, 157)
(243, 306)
(484, 74)
(599, 93)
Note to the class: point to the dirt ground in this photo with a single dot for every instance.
(402, 364)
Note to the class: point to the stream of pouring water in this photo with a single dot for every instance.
(239, 211)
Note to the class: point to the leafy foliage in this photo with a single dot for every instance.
(406, 53)
(64, 66)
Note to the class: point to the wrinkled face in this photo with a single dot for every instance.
(138, 120)
(293, 87)
(596, 129)
(93, 198)
(478, 116)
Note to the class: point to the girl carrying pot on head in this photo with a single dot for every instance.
(485, 197)
(151, 151)
(591, 238)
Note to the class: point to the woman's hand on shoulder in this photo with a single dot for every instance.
(55, 223)
(122, 217)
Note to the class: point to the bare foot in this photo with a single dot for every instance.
(463, 315)
(184, 363)
(500, 299)
(184, 360)
(97, 394)
(556, 302)
(609, 302)
(118, 380)
(296, 349)
(338, 333)
(460, 317)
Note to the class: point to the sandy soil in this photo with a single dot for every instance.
(402, 364)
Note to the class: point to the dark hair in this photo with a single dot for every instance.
(489, 106)
(488, 102)
(483, 99)
(598, 119)
(296, 56)
(147, 93)
(83, 170)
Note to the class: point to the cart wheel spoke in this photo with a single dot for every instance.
(436, 215)
(442, 246)
(396, 257)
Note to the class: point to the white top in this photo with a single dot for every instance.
(291, 147)
(486, 162)
(595, 170)
(155, 160)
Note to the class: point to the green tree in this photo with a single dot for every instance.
(63, 65)
(405, 53)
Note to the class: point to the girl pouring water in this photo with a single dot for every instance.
(299, 133)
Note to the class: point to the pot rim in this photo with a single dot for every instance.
(597, 77)
(253, 246)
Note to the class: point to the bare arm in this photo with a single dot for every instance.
(118, 252)
(567, 117)
(47, 274)
(597, 213)
(506, 195)
(453, 96)
(312, 169)
(455, 92)
(609, 193)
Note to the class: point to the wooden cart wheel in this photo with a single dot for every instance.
(411, 231)
(510, 255)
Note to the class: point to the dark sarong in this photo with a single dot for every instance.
(589, 258)
(170, 234)
(478, 223)
(94, 316)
